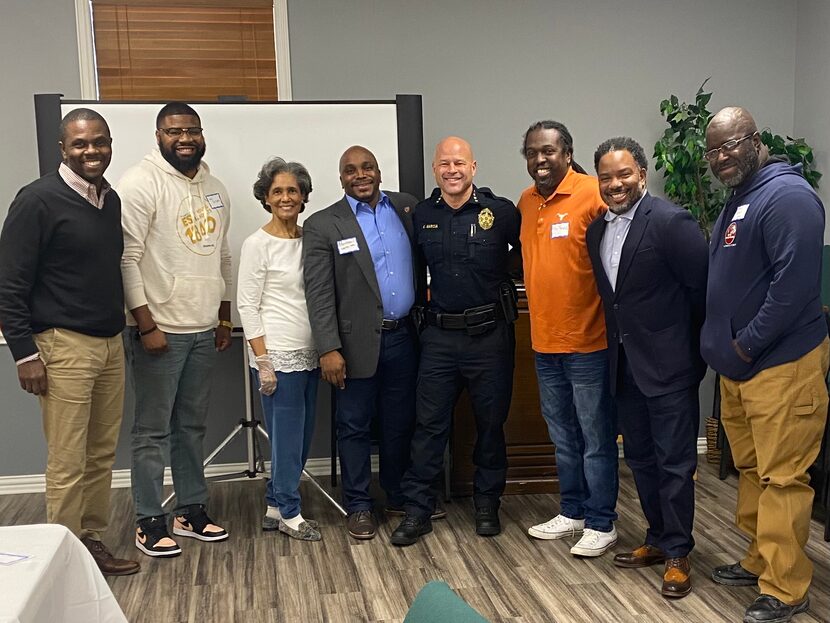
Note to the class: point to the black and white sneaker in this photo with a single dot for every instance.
(196, 524)
(152, 538)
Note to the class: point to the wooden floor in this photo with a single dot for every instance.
(264, 577)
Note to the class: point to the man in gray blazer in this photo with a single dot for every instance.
(361, 282)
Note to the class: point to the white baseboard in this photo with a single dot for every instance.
(36, 483)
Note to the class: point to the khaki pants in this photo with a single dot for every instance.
(81, 419)
(774, 423)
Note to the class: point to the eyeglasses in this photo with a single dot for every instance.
(713, 154)
(177, 132)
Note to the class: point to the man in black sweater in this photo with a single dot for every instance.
(62, 311)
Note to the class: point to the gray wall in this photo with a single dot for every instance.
(812, 86)
(489, 68)
(486, 70)
(39, 49)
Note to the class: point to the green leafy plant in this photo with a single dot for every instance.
(679, 154)
(796, 150)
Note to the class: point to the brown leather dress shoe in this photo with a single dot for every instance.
(676, 580)
(643, 556)
(107, 563)
(362, 525)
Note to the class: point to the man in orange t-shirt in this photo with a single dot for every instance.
(568, 336)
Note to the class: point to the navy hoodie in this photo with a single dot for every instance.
(765, 274)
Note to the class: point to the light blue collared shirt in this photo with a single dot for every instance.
(610, 247)
(391, 254)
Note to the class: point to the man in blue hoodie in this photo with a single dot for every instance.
(766, 336)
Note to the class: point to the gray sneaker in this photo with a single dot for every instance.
(272, 524)
(305, 533)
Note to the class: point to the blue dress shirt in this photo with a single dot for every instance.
(391, 254)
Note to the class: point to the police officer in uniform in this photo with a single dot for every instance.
(464, 234)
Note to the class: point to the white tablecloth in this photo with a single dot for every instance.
(59, 583)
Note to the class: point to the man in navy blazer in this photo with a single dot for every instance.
(650, 259)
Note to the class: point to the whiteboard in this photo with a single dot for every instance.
(239, 138)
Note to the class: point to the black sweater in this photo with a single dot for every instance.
(60, 265)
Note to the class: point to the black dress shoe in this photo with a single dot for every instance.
(734, 575)
(409, 530)
(487, 521)
(768, 609)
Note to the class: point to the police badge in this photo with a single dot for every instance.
(486, 218)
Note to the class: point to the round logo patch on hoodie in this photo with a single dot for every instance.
(198, 225)
(730, 235)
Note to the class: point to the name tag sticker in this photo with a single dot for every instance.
(559, 230)
(740, 213)
(214, 201)
(349, 245)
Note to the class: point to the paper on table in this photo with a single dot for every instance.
(10, 559)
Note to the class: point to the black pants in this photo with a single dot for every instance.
(451, 360)
(660, 439)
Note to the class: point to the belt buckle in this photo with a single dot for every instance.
(477, 328)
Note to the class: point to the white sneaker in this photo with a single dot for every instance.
(557, 528)
(594, 543)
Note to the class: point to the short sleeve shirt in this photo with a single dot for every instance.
(565, 308)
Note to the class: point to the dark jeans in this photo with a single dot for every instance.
(390, 394)
(451, 360)
(660, 440)
(576, 404)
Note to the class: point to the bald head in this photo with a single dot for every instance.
(735, 145)
(734, 118)
(360, 175)
(454, 168)
(453, 145)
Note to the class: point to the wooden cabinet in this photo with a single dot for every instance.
(530, 456)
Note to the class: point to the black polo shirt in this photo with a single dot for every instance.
(466, 249)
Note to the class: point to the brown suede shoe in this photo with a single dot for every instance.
(107, 563)
(676, 580)
(362, 525)
(643, 556)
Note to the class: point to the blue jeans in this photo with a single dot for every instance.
(172, 395)
(289, 419)
(576, 405)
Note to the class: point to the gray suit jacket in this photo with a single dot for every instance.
(344, 303)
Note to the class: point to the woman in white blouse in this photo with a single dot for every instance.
(272, 306)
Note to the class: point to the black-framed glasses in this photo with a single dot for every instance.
(177, 132)
(713, 154)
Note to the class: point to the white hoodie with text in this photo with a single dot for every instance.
(176, 254)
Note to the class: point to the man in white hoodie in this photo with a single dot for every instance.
(177, 279)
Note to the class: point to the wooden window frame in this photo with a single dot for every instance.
(86, 47)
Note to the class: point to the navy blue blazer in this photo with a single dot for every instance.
(659, 302)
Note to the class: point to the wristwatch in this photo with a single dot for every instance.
(227, 324)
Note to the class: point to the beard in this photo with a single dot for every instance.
(183, 164)
(744, 168)
(625, 207)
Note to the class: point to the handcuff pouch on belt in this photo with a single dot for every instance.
(418, 320)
